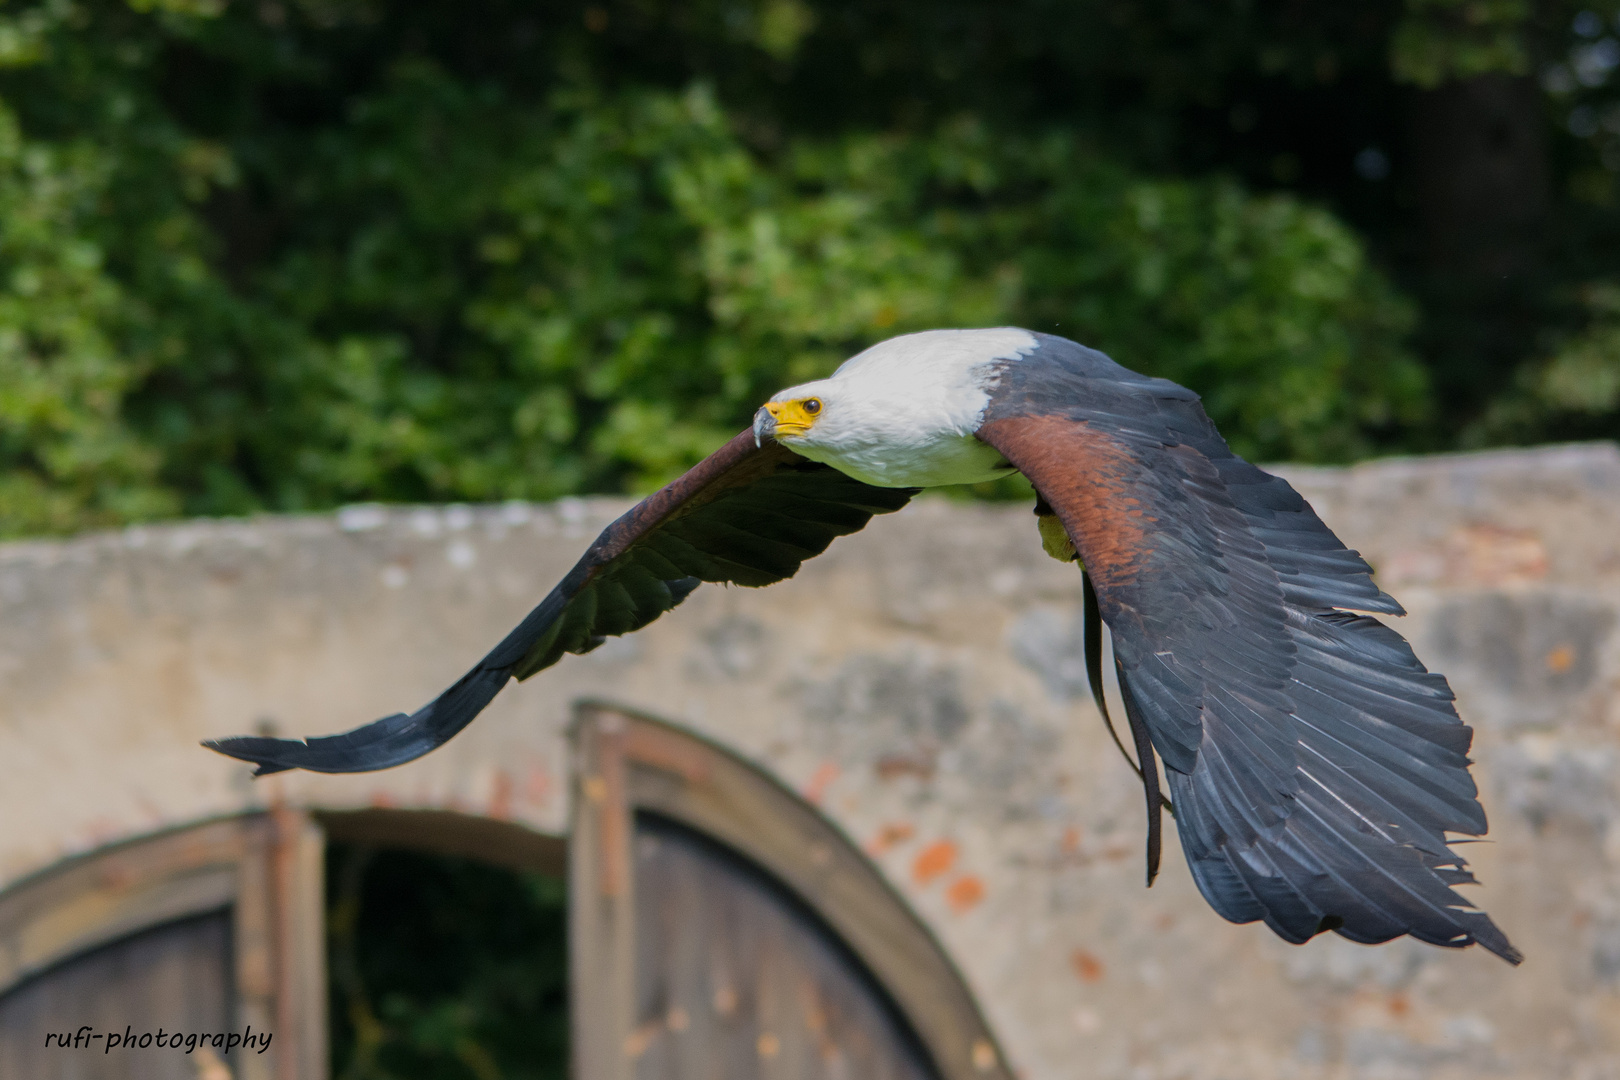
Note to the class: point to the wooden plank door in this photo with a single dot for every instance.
(210, 929)
(736, 978)
(174, 978)
(721, 929)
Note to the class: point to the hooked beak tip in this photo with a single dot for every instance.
(764, 425)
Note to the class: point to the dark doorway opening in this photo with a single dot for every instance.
(444, 968)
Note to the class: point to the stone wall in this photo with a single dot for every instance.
(922, 683)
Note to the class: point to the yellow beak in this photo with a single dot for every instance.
(789, 418)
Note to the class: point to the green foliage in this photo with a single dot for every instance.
(68, 456)
(445, 969)
(1572, 388)
(1584, 375)
(1442, 40)
(1265, 305)
(309, 276)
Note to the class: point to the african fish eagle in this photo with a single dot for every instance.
(1313, 764)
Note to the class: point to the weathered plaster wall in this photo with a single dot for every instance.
(922, 683)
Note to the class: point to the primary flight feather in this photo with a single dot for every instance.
(1315, 766)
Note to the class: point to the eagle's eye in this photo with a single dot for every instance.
(812, 406)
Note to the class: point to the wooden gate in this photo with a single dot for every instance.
(722, 929)
(211, 929)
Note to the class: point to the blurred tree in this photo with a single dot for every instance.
(68, 457)
(291, 253)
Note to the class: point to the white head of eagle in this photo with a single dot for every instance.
(905, 412)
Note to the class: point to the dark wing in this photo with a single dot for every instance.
(1316, 766)
(747, 514)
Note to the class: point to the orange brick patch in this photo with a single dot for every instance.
(1088, 967)
(820, 781)
(933, 861)
(500, 798)
(965, 893)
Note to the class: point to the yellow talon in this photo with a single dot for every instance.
(1055, 539)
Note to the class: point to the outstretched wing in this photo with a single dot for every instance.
(748, 514)
(1316, 766)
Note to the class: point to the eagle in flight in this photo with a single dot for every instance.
(1314, 767)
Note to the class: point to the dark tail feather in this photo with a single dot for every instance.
(382, 744)
(1091, 627)
(1150, 778)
